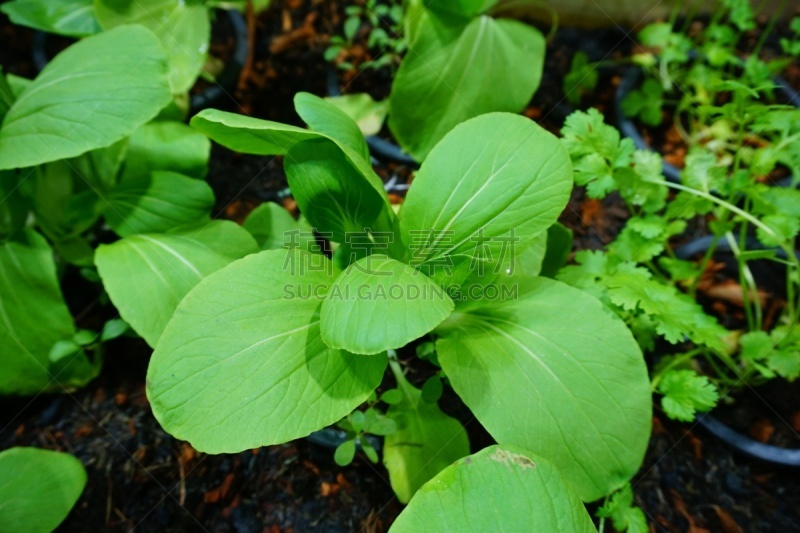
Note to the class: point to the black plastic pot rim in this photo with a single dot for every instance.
(734, 439)
(748, 446)
(199, 101)
(630, 81)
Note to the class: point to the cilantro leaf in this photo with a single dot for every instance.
(624, 515)
(645, 103)
(582, 77)
(685, 392)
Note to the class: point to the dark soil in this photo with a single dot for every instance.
(142, 479)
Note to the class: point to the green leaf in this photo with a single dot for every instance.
(456, 71)
(166, 146)
(63, 201)
(645, 103)
(345, 453)
(263, 137)
(477, 194)
(392, 396)
(676, 314)
(183, 26)
(686, 392)
(500, 488)
(332, 194)
(586, 133)
(558, 374)
(38, 488)
(559, 246)
(378, 304)
(366, 112)
(7, 95)
(33, 315)
(624, 515)
(582, 77)
(432, 390)
(327, 119)
(89, 96)
(116, 327)
(275, 228)
(242, 365)
(425, 443)
(157, 203)
(146, 276)
(249, 135)
(351, 27)
(72, 18)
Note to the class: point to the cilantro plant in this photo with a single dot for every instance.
(285, 342)
(385, 23)
(38, 488)
(640, 277)
(728, 104)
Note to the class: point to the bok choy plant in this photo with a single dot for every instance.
(80, 158)
(182, 26)
(285, 342)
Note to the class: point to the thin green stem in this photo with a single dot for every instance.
(678, 360)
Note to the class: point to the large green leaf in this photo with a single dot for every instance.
(426, 441)
(263, 137)
(326, 118)
(368, 114)
(488, 188)
(242, 364)
(456, 70)
(379, 304)
(500, 488)
(157, 203)
(249, 135)
(73, 18)
(167, 146)
(38, 488)
(183, 26)
(275, 228)
(91, 95)
(33, 315)
(146, 276)
(333, 195)
(555, 372)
